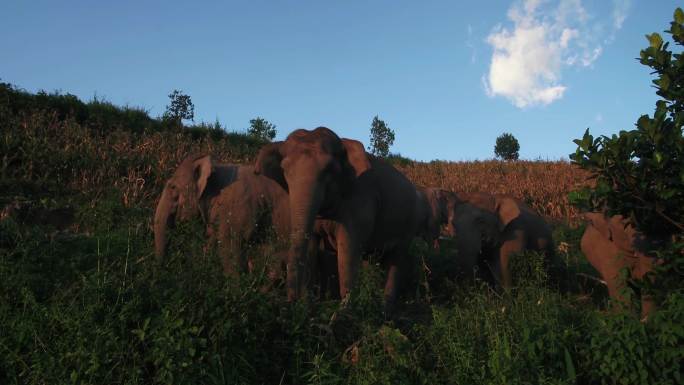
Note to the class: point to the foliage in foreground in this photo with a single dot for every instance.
(640, 173)
(95, 307)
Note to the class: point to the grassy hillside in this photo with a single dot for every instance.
(82, 299)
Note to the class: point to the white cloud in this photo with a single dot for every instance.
(528, 59)
(620, 10)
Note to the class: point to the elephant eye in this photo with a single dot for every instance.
(333, 168)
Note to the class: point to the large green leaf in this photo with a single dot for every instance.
(679, 16)
(655, 40)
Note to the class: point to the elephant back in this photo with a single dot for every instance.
(481, 200)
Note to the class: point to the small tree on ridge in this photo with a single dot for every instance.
(181, 107)
(381, 138)
(262, 129)
(507, 147)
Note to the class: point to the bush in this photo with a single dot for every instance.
(639, 172)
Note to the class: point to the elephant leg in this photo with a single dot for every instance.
(348, 259)
(643, 267)
(612, 273)
(315, 279)
(399, 274)
(391, 288)
(605, 257)
(514, 243)
(351, 235)
(328, 272)
(234, 260)
(615, 289)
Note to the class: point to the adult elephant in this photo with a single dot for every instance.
(522, 229)
(611, 244)
(373, 204)
(190, 192)
(476, 232)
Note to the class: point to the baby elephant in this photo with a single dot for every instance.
(253, 212)
(522, 229)
(476, 232)
(611, 244)
(190, 192)
(250, 212)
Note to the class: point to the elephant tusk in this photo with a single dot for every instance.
(592, 278)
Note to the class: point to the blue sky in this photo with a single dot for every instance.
(447, 76)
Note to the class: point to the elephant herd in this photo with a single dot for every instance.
(323, 202)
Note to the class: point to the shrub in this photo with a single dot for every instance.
(639, 172)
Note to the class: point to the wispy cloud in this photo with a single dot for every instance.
(620, 11)
(470, 44)
(546, 36)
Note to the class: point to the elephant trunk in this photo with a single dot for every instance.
(305, 202)
(164, 217)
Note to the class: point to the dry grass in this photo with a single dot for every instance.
(41, 149)
(543, 185)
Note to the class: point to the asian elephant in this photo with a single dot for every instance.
(476, 232)
(249, 212)
(255, 210)
(611, 244)
(523, 229)
(433, 204)
(190, 192)
(373, 204)
(477, 235)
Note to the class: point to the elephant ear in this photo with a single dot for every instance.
(356, 156)
(601, 223)
(268, 163)
(202, 168)
(508, 210)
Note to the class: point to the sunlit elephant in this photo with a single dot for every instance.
(523, 229)
(476, 232)
(373, 204)
(611, 244)
(249, 212)
(254, 211)
(190, 192)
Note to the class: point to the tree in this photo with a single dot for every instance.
(261, 128)
(507, 147)
(381, 138)
(181, 107)
(640, 173)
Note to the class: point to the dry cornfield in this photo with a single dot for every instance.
(544, 185)
(43, 148)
